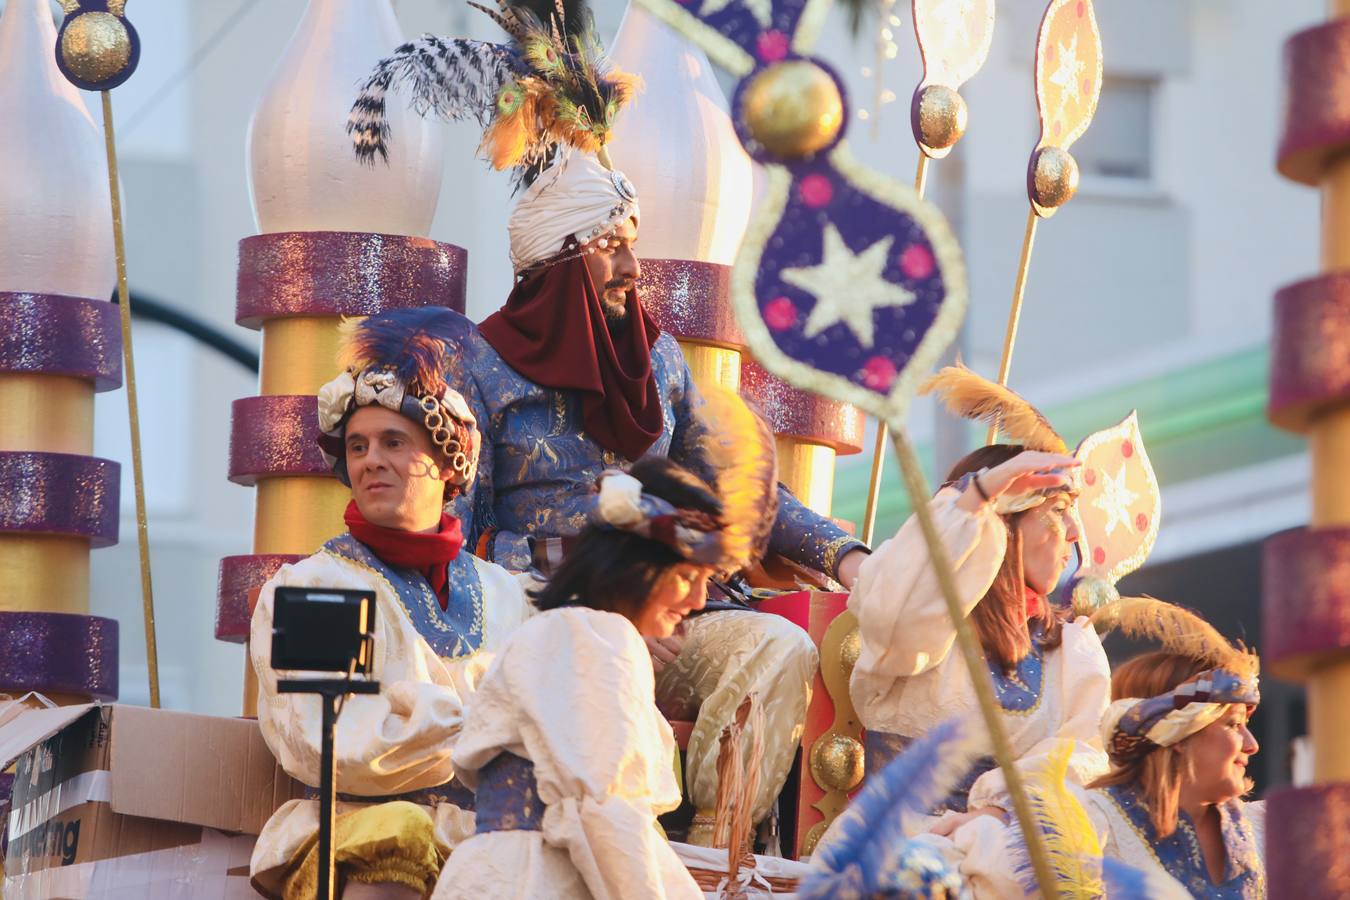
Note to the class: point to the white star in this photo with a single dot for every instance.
(1115, 500)
(848, 287)
(1066, 76)
(762, 10)
(950, 18)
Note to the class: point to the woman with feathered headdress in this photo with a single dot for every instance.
(1006, 517)
(1176, 732)
(567, 752)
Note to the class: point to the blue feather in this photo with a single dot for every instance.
(415, 343)
(873, 833)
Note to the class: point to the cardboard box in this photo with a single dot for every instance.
(123, 801)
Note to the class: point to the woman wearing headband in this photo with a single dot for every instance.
(1006, 516)
(1179, 746)
(569, 757)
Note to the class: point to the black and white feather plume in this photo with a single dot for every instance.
(455, 79)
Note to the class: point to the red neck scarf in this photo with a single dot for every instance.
(1035, 604)
(425, 553)
(560, 340)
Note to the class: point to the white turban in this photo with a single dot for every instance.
(575, 196)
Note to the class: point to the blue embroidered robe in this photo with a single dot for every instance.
(537, 465)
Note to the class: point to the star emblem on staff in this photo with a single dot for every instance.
(848, 287)
(1115, 500)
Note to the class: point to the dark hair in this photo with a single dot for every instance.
(614, 570)
(998, 619)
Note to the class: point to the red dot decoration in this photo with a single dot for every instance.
(916, 262)
(815, 190)
(1099, 556)
(780, 314)
(772, 46)
(1126, 449)
(1090, 477)
(879, 374)
(1082, 9)
(1141, 522)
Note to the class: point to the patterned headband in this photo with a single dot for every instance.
(447, 418)
(622, 506)
(1132, 728)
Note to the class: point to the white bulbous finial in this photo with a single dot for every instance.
(302, 171)
(677, 144)
(55, 219)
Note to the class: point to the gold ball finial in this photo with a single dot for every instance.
(850, 648)
(1053, 179)
(793, 109)
(939, 119)
(95, 46)
(837, 762)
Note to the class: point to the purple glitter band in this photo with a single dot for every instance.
(275, 435)
(52, 334)
(240, 576)
(691, 300)
(60, 493)
(801, 414)
(1316, 117)
(344, 273)
(1310, 350)
(58, 653)
(1307, 831)
(1306, 599)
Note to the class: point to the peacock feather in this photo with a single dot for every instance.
(413, 343)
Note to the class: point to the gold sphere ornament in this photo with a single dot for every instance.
(837, 762)
(850, 648)
(96, 49)
(1091, 593)
(1053, 179)
(793, 109)
(939, 117)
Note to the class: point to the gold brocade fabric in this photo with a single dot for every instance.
(392, 843)
(728, 655)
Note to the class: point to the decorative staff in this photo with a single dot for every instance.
(847, 284)
(1119, 510)
(97, 49)
(954, 38)
(1068, 85)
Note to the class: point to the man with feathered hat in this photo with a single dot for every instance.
(406, 444)
(571, 376)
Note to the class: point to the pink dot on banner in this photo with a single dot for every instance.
(780, 314)
(916, 261)
(772, 46)
(815, 190)
(1082, 9)
(1126, 449)
(879, 373)
(1090, 477)
(1098, 555)
(1059, 128)
(1087, 85)
(1050, 54)
(1141, 522)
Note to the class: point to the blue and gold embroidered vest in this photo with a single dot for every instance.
(453, 632)
(1018, 692)
(1179, 853)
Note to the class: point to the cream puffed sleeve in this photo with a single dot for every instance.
(573, 692)
(388, 743)
(1080, 673)
(902, 617)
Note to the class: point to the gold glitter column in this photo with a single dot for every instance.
(1306, 572)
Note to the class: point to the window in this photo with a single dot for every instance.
(1119, 143)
